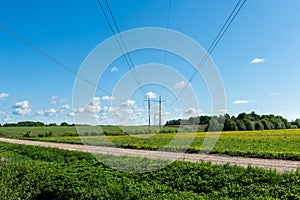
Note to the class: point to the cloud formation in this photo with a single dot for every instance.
(240, 102)
(47, 113)
(108, 98)
(114, 69)
(150, 95)
(64, 107)
(273, 94)
(92, 107)
(63, 100)
(22, 108)
(3, 95)
(257, 60)
(128, 103)
(192, 111)
(53, 100)
(180, 84)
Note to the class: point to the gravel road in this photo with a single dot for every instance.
(279, 165)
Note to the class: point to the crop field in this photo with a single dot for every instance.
(279, 144)
(18, 132)
(30, 172)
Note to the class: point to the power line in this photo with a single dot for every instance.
(167, 35)
(215, 42)
(49, 57)
(220, 35)
(121, 43)
(126, 50)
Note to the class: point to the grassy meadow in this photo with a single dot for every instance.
(30, 172)
(280, 144)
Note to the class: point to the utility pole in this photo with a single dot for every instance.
(159, 112)
(149, 120)
(160, 118)
(149, 111)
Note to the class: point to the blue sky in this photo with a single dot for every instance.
(258, 57)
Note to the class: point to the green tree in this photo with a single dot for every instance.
(204, 120)
(297, 123)
(229, 124)
(64, 124)
(52, 124)
(266, 124)
(259, 126)
(242, 116)
(240, 125)
(255, 116)
(249, 125)
(214, 125)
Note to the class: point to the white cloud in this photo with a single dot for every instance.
(150, 95)
(47, 113)
(3, 95)
(50, 112)
(177, 109)
(105, 109)
(64, 107)
(128, 103)
(108, 98)
(53, 100)
(240, 102)
(40, 112)
(192, 111)
(7, 118)
(273, 94)
(108, 109)
(222, 111)
(71, 114)
(114, 69)
(129, 111)
(257, 60)
(63, 100)
(166, 113)
(22, 108)
(79, 110)
(181, 84)
(92, 107)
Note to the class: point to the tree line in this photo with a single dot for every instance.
(243, 122)
(34, 124)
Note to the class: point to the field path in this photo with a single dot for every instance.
(279, 165)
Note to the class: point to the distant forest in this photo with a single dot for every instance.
(243, 122)
(34, 124)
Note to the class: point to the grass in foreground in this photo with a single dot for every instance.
(28, 172)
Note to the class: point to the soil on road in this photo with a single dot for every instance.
(279, 165)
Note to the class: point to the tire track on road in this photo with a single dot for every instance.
(279, 165)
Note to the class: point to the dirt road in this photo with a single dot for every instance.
(279, 165)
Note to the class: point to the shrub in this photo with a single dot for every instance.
(69, 133)
(41, 135)
(27, 134)
(49, 134)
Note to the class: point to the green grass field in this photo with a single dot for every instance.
(30, 172)
(280, 144)
(18, 132)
